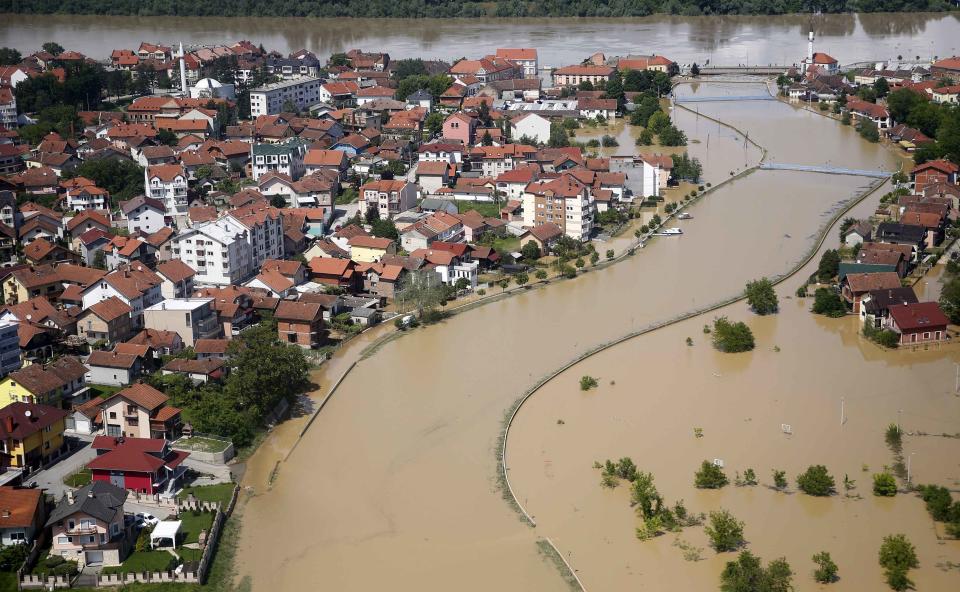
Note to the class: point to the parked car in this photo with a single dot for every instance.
(146, 520)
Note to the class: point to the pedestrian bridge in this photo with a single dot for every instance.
(830, 170)
(712, 99)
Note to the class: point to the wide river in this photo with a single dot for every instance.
(394, 485)
(722, 40)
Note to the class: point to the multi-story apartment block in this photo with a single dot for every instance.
(230, 249)
(168, 183)
(563, 201)
(269, 99)
(286, 159)
(389, 197)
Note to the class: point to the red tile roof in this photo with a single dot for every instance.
(919, 315)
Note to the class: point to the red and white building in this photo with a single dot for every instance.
(143, 465)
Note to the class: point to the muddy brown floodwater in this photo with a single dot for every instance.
(394, 485)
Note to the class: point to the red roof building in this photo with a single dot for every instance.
(143, 465)
(919, 322)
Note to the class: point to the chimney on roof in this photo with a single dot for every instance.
(70, 497)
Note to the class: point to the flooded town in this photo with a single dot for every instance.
(496, 300)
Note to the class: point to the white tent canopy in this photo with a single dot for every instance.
(167, 529)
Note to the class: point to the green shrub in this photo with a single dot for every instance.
(587, 383)
(884, 485)
(732, 337)
(710, 476)
(826, 571)
(816, 480)
(724, 531)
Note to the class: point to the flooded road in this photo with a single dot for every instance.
(395, 484)
(727, 40)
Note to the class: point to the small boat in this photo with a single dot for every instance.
(684, 216)
(671, 231)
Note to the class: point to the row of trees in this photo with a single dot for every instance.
(941, 122)
(473, 8)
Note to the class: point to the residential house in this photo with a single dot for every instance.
(875, 305)
(878, 114)
(177, 279)
(113, 368)
(370, 249)
(300, 323)
(335, 272)
(918, 322)
(597, 108)
(191, 318)
(431, 176)
(450, 267)
(286, 158)
(55, 384)
(531, 125)
(543, 235)
(43, 252)
(858, 233)
(22, 515)
(459, 127)
(140, 411)
(10, 354)
(216, 349)
(108, 321)
(382, 279)
(316, 160)
(136, 285)
(143, 465)
(198, 371)
(163, 343)
(933, 172)
(901, 234)
(144, 214)
(31, 435)
(89, 525)
(167, 183)
(389, 197)
(854, 286)
(124, 251)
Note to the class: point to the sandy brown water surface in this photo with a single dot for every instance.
(394, 484)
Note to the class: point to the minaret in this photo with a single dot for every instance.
(810, 49)
(183, 68)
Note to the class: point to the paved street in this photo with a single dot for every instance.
(51, 479)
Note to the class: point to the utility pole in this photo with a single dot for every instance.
(909, 458)
(899, 415)
(842, 418)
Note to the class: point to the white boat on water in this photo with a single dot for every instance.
(670, 232)
(684, 216)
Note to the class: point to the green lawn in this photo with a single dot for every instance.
(78, 479)
(486, 209)
(103, 390)
(8, 581)
(140, 561)
(191, 525)
(189, 554)
(210, 493)
(507, 244)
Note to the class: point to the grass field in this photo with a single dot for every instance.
(140, 561)
(201, 444)
(78, 479)
(103, 390)
(191, 525)
(486, 209)
(210, 493)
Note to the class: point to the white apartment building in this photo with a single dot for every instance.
(219, 250)
(303, 92)
(135, 285)
(231, 249)
(167, 183)
(9, 348)
(525, 57)
(285, 158)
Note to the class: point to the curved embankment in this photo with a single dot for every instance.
(501, 449)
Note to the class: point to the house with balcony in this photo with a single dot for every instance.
(89, 526)
(285, 158)
(168, 184)
(142, 465)
(191, 318)
(144, 214)
(388, 197)
(140, 411)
